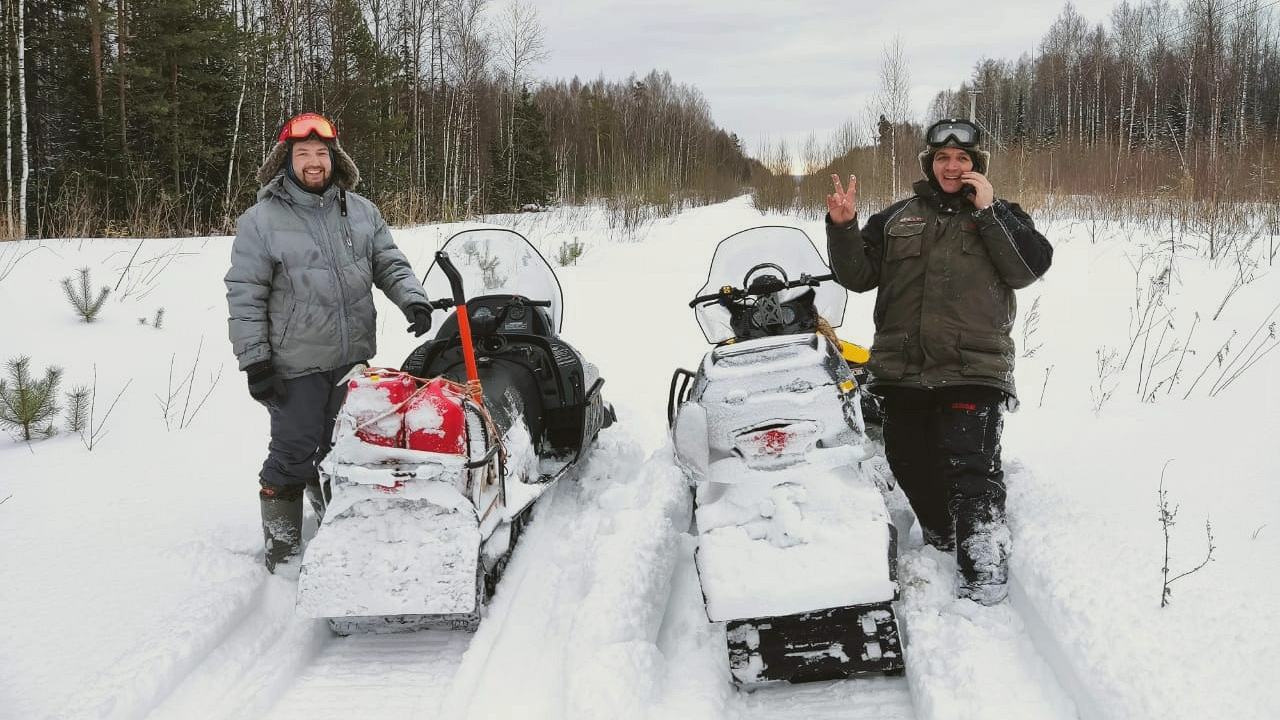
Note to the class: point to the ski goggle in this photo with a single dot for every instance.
(957, 132)
(300, 127)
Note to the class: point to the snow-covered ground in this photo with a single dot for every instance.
(131, 582)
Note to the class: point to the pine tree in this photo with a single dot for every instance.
(535, 170)
(81, 296)
(25, 402)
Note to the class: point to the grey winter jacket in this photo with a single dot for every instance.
(945, 277)
(299, 290)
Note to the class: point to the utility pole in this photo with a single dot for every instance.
(973, 104)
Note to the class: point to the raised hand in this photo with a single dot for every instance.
(842, 205)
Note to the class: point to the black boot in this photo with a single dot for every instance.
(983, 559)
(281, 525)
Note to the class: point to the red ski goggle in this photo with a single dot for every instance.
(301, 127)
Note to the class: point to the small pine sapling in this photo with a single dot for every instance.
(26, 403)
(81, 296)
(569, 252)
(77, 416)
(154, 322)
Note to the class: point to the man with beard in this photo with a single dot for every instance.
(305, 259)
(945, 263)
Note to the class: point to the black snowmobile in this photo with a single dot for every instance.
(436, 467)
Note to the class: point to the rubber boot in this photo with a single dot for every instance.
(983, 559)
(281, 526)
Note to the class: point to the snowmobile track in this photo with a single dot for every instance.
(400, 676)
(868, 698)
(252, 662)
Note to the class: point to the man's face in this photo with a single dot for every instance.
(311, 163)
(948, 164)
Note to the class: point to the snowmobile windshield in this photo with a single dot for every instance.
(788, 248)
(494, 261)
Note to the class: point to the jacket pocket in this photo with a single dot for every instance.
(904, 241)
(986, 356)
(889, 357)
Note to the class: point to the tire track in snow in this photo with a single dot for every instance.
(254, 663)
(575, 636)
(965, 660)
(392, 676)
(240, 609)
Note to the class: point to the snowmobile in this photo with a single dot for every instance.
(435, 467)
(797, 552)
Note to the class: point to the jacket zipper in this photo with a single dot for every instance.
(343, 331)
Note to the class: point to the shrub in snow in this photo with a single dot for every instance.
(27, 403)
(1167, 517)
(569, 252)
(81, 296)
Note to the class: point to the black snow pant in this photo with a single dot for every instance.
(302, 432)
(943, 446)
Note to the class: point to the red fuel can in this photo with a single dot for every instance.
(434, 420)
(375, 400)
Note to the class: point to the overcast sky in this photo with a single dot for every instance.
(779, 69)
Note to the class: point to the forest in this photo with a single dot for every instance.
(150, 117)
(1163, 102)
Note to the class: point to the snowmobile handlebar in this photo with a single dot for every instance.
(728, 293)
(446, 303)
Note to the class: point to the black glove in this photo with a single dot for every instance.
(264, 385)
(421, 315)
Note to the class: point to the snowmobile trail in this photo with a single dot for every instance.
(583, 596)
(871, 698)
(404, 676)
(966, 660)
(256, 659)
(963, 660)
(238, 630)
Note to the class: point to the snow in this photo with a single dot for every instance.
(131, 573)
(815, 540)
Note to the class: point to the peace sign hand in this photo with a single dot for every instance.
(842, 205)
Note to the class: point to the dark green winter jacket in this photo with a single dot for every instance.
(299, 287)
(945, 276)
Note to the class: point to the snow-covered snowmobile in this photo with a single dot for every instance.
(436, 467)
(796, 549)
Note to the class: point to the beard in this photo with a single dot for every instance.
(313, 182)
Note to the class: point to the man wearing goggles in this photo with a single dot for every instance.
(945, 263)
(299, 291)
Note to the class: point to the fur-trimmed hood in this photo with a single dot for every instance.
(345, 173)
